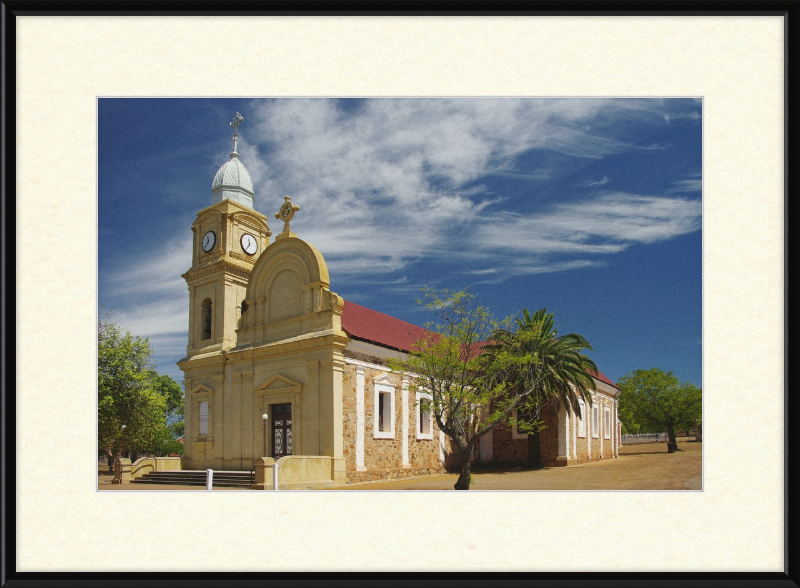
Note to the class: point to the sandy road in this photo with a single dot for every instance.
(639, 467)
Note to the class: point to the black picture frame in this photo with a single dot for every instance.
(11, 9)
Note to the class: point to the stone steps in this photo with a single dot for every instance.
(222, 479)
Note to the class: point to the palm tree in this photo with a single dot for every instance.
(560, 375)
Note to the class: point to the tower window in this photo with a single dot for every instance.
(205, 319)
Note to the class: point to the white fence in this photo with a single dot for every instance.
(644, 438)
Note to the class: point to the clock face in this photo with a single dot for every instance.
(249, 244)
(208, 241)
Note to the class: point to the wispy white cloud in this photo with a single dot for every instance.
(607, 224)
(166, 316)
(683, 186)
(593, 183)
(692, 182)
(156, 273)
(528, 266)
(400, 149)
(150, 299)
(394, 182)
(396, 177)
(687, 115)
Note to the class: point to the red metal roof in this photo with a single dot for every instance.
(602, 377)
(370, 325)
(360, 322)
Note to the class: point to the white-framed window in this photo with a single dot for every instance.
(582, 418)
(607, 424)
(424, 416)
(595, 420)
(383, 411)
(515, 432)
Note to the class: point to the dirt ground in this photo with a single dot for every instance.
(639, 467)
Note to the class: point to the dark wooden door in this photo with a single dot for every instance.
(281, 430)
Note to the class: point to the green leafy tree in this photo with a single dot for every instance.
(551, 370)
(176, 428)
(172, 392)
(130, 412)
(447, 363)
(630, 426)
(475, 381)
(654, 401)
(165, 444)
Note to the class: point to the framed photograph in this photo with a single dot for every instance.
(501, 130)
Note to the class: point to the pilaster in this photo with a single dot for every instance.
(405, 422)
(360, 419)
(601, 426)
(617, 431)
(574, 428)
(563, 436)
(312, 443)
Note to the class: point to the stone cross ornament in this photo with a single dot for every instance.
(237, 120)
(286, 213)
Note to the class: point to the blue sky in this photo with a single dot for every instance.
(589, 207)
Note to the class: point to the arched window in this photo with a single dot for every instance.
(242, 309)
(205, 319)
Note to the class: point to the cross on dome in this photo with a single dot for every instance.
(237, 120)
(232, 180)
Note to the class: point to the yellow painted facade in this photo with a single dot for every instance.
(275, 337)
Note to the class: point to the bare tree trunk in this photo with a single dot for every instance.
(671, 437)
(110, 462)
(535, 451)
(466, 469)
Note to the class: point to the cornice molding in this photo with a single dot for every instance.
(218, 266)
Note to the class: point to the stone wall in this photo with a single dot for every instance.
(581, 443)
(366, 358)
(354, 477)
(383, 458)
(583, 453)
(507, 449)
(549, 435)
(349, 417)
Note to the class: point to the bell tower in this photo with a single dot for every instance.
(228, 238)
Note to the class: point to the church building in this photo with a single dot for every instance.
(268, 337)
